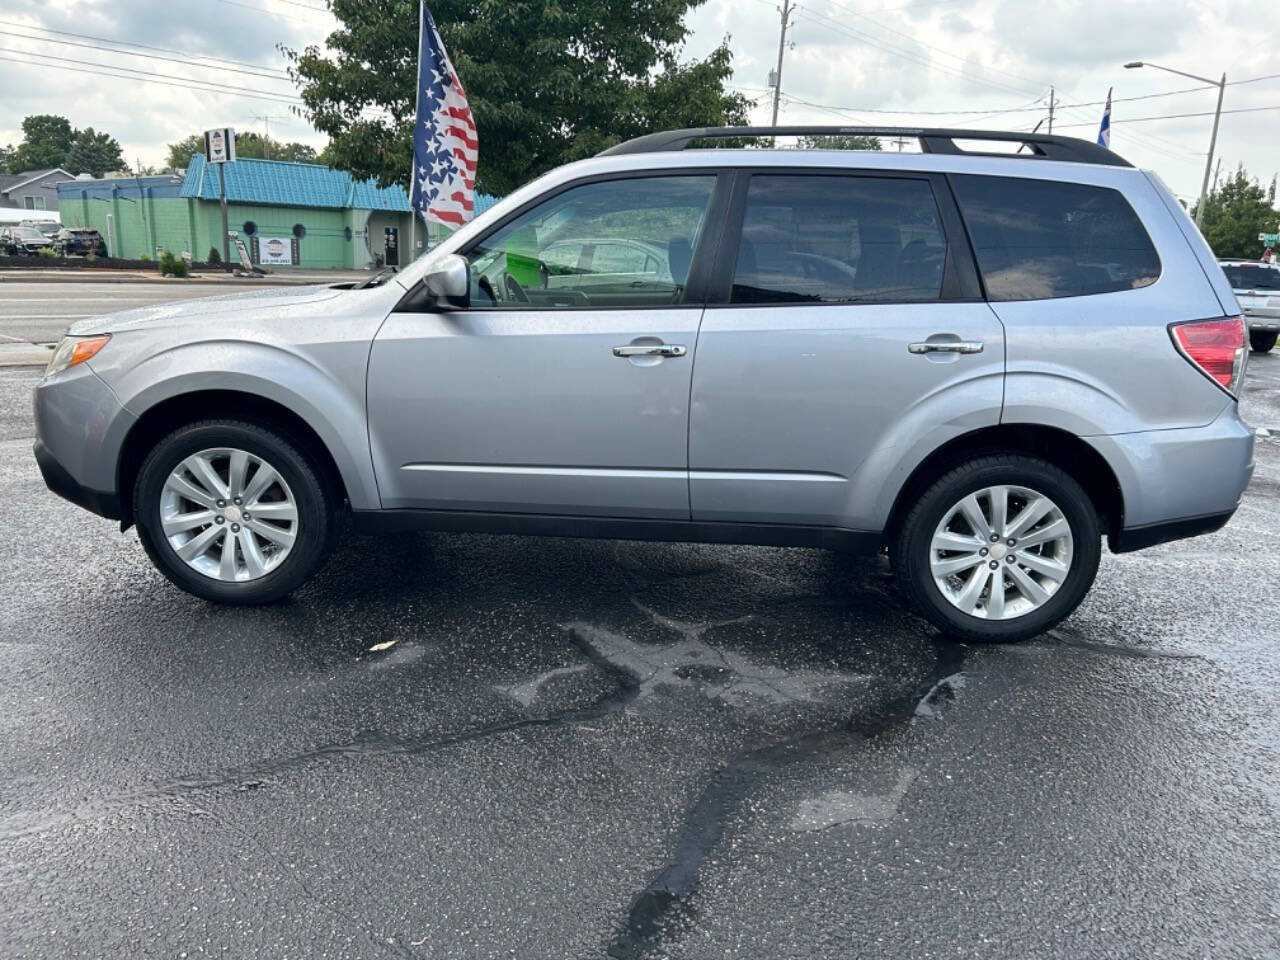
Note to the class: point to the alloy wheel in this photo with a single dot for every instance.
(1001, 552)
(229, 514)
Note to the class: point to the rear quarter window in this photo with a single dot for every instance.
(1041, 239)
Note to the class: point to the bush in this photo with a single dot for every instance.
(91, 256)
(214, 255)
(48, 253)
(171, 266)
(144, 257)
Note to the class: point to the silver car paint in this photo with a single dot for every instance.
(1118, 382)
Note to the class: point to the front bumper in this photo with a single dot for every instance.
(80, 432)
(102, 502)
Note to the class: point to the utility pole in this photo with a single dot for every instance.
(1216, 170)
(1051, 106)
(787, 8)
(222, 198)
(266, 134)
(1213, 143)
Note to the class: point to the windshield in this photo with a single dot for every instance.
(29, 233)
(1247, 276)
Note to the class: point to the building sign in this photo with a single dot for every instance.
(269, 251)
(220, 145)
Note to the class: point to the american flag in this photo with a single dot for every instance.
(444, 136)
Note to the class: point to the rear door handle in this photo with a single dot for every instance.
(946, 346)
(650, 350)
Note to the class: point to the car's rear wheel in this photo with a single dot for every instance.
(1261, 341)
(233, 512)
(999, 549)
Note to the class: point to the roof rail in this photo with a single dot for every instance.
(1042, 146)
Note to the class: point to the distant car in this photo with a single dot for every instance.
(50, 228)
(1257, 287)
(81, 242)
(17, 241)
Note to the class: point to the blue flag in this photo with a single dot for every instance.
(1104, 131)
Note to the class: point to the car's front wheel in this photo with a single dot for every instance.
(233, 512)
(1260, 341)
(999, 549)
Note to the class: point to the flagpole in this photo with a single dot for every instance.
(413, 168)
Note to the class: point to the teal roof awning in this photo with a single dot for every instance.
(284, 184)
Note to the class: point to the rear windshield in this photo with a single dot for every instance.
(1041, 239)
(1247, 276)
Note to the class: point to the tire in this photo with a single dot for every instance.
(1261, 341)
(913, 555)
(265, 568)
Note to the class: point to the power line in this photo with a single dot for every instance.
(1176, 116)
(185, 61)
(146, 77)
(143, 46)
(275, 13)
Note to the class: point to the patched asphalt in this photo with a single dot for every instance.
(577, 749)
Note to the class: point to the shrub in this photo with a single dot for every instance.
(214, 255)
(144, 257)
(91, 256)
(171, 266)
(48, 253)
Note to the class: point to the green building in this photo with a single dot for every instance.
(288, 215)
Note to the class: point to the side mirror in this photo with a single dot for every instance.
(450, 282)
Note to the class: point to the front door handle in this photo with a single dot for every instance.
(946, 346)
(650, 350)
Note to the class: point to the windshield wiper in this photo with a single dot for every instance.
(377, 279)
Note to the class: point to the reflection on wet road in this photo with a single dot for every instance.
(591, 749)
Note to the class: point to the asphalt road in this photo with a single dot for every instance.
(589, 749)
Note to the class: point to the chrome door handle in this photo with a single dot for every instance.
(946, 346)
(650, 350)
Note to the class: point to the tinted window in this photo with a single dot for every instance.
(1037, 239)
(816, 239)
(1249, 277)
(618, 243)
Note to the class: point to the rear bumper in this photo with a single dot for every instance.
(1178, 483)
(1139, 538)
(1266, 319)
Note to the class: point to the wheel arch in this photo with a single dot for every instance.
(1064, 450)
(176, 411)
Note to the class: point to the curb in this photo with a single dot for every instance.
(24, 355)
(57, 277)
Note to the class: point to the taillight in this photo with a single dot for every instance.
(1217, 347)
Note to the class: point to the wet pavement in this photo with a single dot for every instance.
(575, 749)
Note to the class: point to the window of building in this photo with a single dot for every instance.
(839, 239)
(33, 203)
(1043, 239)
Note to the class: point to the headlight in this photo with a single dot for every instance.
(74, 350)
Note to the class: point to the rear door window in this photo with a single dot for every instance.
(839, 239)
(1041, 239)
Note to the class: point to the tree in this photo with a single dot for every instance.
(248, 145)
(547, 81)
(6, 159)
(1235, 213)
(828, 142)
(93, 152)
(46, 142)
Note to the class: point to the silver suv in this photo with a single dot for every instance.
(1257, 289)
(982, 362)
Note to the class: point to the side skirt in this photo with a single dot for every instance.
(619, 528)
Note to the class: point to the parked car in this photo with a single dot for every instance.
(1257, 287)
(1016, 356)
(79, 242)
(50, 228)
(19, 241)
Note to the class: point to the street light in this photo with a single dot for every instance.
(1217, 115)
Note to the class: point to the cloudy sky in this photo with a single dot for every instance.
(972, 63)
